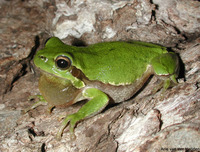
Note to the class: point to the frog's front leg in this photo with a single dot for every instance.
(40, 101)
(166, 65)
(98, 101)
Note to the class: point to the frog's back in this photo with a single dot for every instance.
(116, 62)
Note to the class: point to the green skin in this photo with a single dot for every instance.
(100, 73)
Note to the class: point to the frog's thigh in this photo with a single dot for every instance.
(166, 64)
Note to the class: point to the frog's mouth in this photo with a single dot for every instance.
(48, 73)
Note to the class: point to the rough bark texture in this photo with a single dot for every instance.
(147, 122)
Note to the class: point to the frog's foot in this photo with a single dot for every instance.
(169, 82)
(72, 119)
(40, 101)
(164, 85)
(157, 87)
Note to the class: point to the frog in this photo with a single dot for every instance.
(100, 73)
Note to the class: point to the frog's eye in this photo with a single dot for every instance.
(63, 62)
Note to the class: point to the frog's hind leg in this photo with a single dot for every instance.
(166, 66)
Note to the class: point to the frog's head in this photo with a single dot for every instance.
(56, 58)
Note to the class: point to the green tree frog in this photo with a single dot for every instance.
(103, 72)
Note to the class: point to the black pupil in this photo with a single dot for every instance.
(62, 63)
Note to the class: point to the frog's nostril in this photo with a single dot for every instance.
(42, 57)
